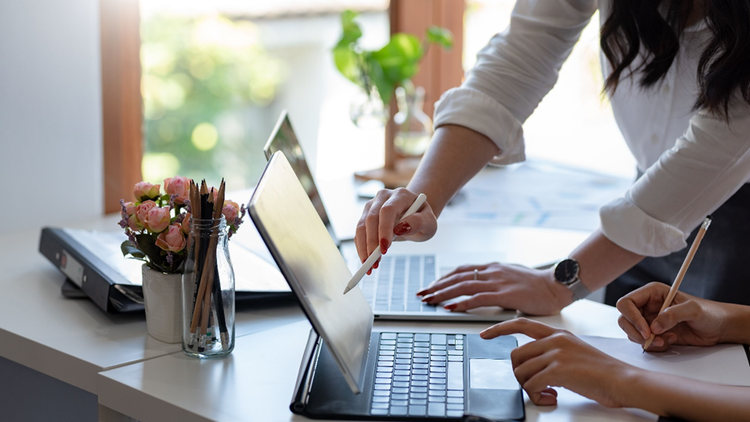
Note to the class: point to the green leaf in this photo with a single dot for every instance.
(377, 76)
(399, 57)
(350, 30)
(346, 62)
(440, 36)
(128, 248)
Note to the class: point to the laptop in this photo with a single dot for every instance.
(390, 289)
(350, 371)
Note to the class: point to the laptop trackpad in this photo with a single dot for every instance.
(492, 374)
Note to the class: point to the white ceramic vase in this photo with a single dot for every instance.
(162, 295)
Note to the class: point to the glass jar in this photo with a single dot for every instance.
(208, 291)
(413, 126)
(367, 110)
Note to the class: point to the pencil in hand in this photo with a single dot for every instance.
(681, 274)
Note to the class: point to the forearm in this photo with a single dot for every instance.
(669, 395)
(602, 260)
(455, 155)
(736, 323)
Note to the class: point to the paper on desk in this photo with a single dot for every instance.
(724, 363)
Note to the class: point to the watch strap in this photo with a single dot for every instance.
(578, 289)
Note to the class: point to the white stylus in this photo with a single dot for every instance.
(376, 253)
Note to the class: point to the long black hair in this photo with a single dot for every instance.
(724, 65)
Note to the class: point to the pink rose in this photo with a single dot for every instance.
(141, 211)
(179, 186)
(157, 219)
(186, 223)
(145, 190)
(171, 239)
(129, 208)
(231, 210)
(134, 224)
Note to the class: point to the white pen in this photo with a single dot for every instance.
(376, 253)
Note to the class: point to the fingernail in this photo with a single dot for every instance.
(643, 333)
(369, 271)
(421, 292)
(428, 298)
(656, 328)
(658, 342)
(377, 263)
(451, 306)
(401, 229)
(383, 246)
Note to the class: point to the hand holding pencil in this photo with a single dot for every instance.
(641, 308)
(370, 261)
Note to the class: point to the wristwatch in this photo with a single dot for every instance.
(566, 273)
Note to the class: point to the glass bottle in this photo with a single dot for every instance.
(413, 126)
(208, 291)
(367, 110)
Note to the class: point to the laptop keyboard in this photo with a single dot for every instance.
(419, 375)
(393, 286)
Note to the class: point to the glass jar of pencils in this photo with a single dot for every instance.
(208, 291)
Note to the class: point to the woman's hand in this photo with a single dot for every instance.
(689, 320)
(559, 359)
(529, 290)
(379, 222)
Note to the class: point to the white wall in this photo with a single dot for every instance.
(50, 113)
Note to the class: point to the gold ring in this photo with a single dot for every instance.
(476, 272)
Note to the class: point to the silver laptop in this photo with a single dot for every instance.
(350, 371)
(391, 289)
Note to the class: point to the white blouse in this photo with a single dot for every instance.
(693, 161)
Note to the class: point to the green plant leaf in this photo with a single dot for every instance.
(128, 248)
(399, 58)
(377, 76)
(346, 62)
(350, 30)
(440, 36)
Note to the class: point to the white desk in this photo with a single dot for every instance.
(255, 382)
(72, 340)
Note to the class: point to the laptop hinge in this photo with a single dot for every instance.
(305, 375)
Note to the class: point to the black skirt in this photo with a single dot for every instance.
(720, 268)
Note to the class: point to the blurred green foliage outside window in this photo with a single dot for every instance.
(202, 78)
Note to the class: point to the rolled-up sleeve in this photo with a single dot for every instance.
(707, 165)
(515, 71)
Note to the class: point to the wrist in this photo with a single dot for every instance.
(563, 296)
(734, 322)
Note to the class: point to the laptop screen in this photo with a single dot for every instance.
(284, 139)
(313, 267)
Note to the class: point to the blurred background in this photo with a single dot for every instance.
(102, 93)
(217, 74)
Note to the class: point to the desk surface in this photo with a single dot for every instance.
(72, 339)
(256, 381)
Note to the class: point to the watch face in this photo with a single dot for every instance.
(566, 271)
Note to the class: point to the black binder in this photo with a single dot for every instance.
(94, 265)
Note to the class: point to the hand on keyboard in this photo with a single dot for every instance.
(529, 290)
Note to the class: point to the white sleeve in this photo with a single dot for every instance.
(515, 71)
(707, 165)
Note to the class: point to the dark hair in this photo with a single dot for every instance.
(724, 65)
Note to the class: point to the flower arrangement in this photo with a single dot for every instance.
(157, 225)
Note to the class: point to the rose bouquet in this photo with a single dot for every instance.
(157, 225)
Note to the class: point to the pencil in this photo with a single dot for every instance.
(681, 274)
(370, 261)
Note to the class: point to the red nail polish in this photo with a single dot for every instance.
(451, 306)
(383, 246)
(402, 229)
(369, 271)
(377, 263)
